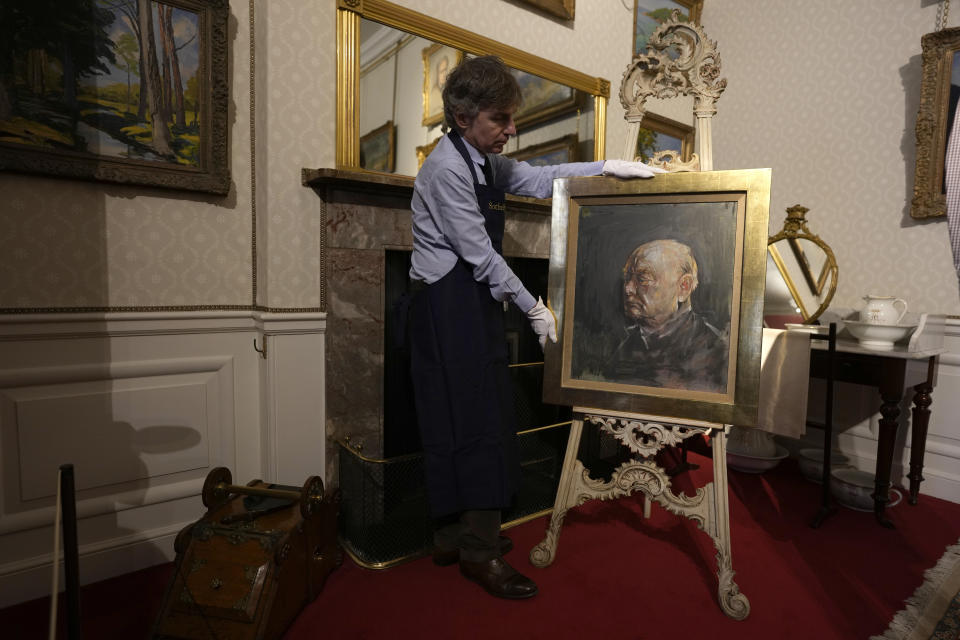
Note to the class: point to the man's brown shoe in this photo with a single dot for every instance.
(447, 557)
(499, 579)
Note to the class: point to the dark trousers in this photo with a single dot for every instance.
(475, 532)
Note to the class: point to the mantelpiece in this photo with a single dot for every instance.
(366, 215)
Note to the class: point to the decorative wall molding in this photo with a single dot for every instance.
(183, 392)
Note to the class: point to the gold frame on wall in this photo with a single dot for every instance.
(543, 100)
(749, 193)
(567, 143)
(659, 124)
(432, 116)
(383, 138)
(694, 9)
(560, 8)
(941, 51)
(349, 13)
(68, 157)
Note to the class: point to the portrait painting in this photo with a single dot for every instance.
(120, 91)
(542, 99)
(939, 94)
(658, 286)
(650, 14)
(438, 61)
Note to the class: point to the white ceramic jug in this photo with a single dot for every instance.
(883, 310)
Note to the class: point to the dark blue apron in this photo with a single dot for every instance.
(462, 387)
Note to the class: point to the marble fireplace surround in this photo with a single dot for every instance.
(364, 215)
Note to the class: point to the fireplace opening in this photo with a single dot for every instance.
(400, 434)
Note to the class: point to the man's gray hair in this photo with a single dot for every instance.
(479, 83)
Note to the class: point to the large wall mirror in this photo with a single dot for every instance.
(391, 65)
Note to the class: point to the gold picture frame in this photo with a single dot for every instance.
(557, 151)
(542, 99)
(598, 225)
(650, 14)
(378, 148)
(90, 124)
(561, 8)
(658, 133)
(938, 99)
(438, 61)
(424, 150)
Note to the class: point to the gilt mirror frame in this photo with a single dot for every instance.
(349, 14)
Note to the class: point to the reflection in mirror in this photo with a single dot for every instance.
(391, 64)
(801, 271)
(401, 80)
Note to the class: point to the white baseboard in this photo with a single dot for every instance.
(97, 562)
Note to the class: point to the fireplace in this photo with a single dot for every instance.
(370, 420)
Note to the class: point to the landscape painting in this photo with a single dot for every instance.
(648, 15)
(123, 90)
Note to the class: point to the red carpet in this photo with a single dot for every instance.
(615, 574)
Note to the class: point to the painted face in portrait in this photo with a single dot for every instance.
(657, 281)
(443, 68)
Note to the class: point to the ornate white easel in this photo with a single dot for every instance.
(695, 71)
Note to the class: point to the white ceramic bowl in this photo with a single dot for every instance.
(755, 464)
(811, 463)
(854, 488)
(878, 336)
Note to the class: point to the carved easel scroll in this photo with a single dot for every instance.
(692, 69)
(645, 436)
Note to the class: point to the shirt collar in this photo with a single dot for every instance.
(475, 155)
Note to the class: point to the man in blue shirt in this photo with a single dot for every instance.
(458, 351)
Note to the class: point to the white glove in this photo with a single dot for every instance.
(543, 322)
(628, 169)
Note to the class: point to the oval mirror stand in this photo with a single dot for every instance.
(805, 263)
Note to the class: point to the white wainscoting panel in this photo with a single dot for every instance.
(144, 405)
(856, 426)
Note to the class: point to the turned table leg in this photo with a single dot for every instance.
(889, 412)
(918, 427)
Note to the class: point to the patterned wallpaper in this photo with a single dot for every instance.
(832, 112)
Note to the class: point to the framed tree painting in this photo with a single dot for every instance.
(425, 150)
(438, 61)
(657, 286)
(650, 14)
(125, 91)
